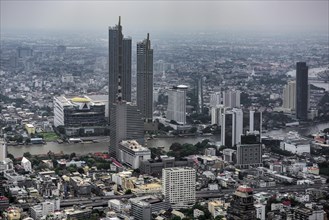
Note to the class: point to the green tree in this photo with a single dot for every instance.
(193, 130)
(61, 129)
(72, 155)
(10, 156)
(128, 191)
(27, 155)
(72, 168)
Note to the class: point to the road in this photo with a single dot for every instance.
(103, 200)
(281, 189)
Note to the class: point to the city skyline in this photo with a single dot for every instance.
(165, 15)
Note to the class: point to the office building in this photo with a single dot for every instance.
(154, 167)
(231, 99)
(80, 116)
(289, 96)
(178, 186)
(145, 78)
(231, 127)
(199, 94)
(176, 109)
(3, 150)
(216, 113)
(126, 123)
(301, 90)
(45, 208)
(119, 65)
(242, 205)
(249, 155)
(132, 153)
(255, 122)
(229, 155)
(215, 99)
(143, 207)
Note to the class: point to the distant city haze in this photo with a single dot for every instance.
(148, 16)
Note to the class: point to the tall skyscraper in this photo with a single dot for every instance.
(199, 91)
(301, 90)
(145, 78)
(3, 150)
(255, 122)
(231, 127)
(215, 99)
(119, 66)
(176, 109)
(231, 99)
(242, 205)
(216, 114)
(125, 123)
(178, 186)
(289, 95)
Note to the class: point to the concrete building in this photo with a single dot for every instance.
(302, 213)
(295, 144)
(132, 153)
(26, 164)
(145, 79)
(242, 205)
(260, 211)
(81, 186)
(119, 65)
(3, 150)
(289, 96)
(229, 155)
(231, 127)
(216, 113)
(199, 94)
(231, 99)
(154, 167)
(143, 207)
(178, 186)
(80, 116)
(301, 90)
(249, 155)
(126, 123)
(255, 122)
(176, 109)
(45, 208)
(210, 152)
(115, 204)
(215, 99)
(30, 129)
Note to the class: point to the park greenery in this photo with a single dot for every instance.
(180, 151)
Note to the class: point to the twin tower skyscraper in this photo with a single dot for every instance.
(127, 120)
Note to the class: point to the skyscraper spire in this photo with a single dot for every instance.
(119, 24)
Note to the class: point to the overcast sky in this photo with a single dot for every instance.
(165, 15)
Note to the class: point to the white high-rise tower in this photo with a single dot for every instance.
(178, 186)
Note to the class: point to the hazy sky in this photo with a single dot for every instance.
(165, 15)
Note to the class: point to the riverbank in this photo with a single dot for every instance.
(165, 143)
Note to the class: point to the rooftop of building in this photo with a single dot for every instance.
(179, 168)
(244, 188)
(133, 145)
(74, 100)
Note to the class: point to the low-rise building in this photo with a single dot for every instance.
(143, 207)
(132, 153)
(154, 166)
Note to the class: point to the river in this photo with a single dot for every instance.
(66, 148)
